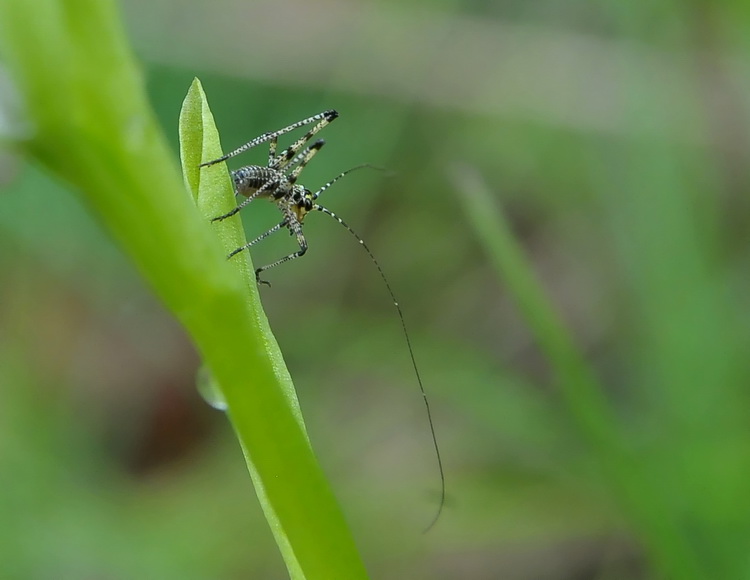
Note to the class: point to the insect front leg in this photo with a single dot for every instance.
(295, 227)
(263, 236)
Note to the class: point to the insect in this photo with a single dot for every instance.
(277, 182)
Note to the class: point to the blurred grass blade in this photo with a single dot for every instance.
(647, 506)
(92, 127)
(579, 386)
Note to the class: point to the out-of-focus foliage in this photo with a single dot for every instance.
(90, 125)
(614, 135)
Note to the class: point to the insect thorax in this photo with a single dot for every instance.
(273, 184)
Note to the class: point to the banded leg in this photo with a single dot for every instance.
(296, 228)
(303, 159)
(325, 117)
(267, 186)
(263, 236)
(272, 149)
(286, 156)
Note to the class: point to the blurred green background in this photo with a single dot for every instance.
(614, 135)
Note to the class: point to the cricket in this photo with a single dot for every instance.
(277, 182)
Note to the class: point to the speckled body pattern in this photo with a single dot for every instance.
(278, 182)
(291, 199)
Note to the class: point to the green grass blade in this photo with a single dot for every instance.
(579, 386)
(647, 507)
(93, 128)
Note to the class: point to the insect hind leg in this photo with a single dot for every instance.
(287, 157)
(321, 118)
(303, 159)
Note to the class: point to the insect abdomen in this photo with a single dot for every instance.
(250, 179)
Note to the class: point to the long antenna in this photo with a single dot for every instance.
(362, 243)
